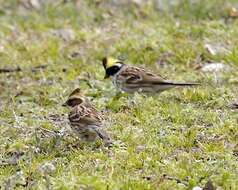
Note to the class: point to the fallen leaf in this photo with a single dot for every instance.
(233, 12)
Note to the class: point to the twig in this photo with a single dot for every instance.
(165, 177)
(39, 67)
(18, 69)
(47, 130)
(16, 117)
(5, 70)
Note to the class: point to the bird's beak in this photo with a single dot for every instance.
(106, 76)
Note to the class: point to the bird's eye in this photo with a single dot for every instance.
(112, 70)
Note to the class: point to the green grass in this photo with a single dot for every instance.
(176, 140)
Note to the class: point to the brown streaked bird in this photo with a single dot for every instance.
(84, 119)
(132, 79)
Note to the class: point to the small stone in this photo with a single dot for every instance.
(209, 186)
(36, 4)
(234, 104)
(47, 168)
(214, 67)
(197, 188)
(14, 180)
(64, 33)
(140, 148)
